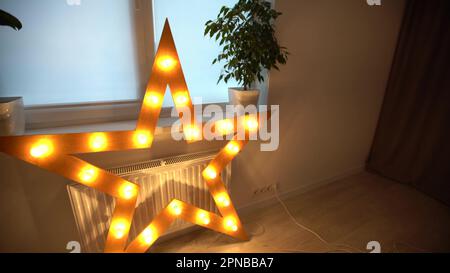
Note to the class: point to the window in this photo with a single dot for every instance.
(187, 20)
(70, 53)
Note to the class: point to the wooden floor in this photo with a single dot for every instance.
(347, 213)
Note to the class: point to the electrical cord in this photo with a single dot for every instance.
(339, 247)
(332, 248)
(256, 234)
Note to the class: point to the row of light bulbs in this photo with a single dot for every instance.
(141, 138)
(154, 99)
(97, 142)
(89, 174)
(232, 148)
(203, 216)
(166, 64)
(149, 234)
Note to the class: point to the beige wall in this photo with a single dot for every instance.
(329, 94)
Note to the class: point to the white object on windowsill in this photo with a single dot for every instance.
(239, 96)
(12, 116)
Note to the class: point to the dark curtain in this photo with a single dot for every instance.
(412, 141)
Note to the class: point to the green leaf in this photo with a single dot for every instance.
(220, 78)
(7, 19)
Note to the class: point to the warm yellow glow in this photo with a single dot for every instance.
(148, 235)
(127, 191)
(58, 153)
(181, 99)
(223, 200)
(203, 217)
(98, 141)
(232, 148)
(251, 123)
(166, 63)
(142, 138)
(230, 224)
(153, 99)
(119, 228)
(88, 174)
(176, 208)
(210, 172)
(191, 132)
(225, 127)
(42, 148)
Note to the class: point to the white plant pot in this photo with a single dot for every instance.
(12, 116)
(239, 96)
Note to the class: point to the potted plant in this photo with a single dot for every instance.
(247, 34)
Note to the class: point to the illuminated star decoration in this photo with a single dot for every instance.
(55, 153)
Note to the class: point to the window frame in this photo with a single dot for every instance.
(73, 114)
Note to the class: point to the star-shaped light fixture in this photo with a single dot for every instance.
(55, 153)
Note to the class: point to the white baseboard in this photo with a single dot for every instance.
(262, 203)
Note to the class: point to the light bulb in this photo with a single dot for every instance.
(175, 208)
(127, 191)
(166, 63)
(225, 127)
(148, 235)
(230, 224)
(210, 172)
(42, 148)
(232, 148)
(98, 141)
(119, 228)
(203, 217)
(88, 174)
(223, 200)
(142, 138)
(153, 99)
(181, 99)
(251, 123)
(191, 132)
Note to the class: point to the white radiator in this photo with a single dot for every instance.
(160, 181)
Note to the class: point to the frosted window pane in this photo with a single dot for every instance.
(69, 54)
(187, 20)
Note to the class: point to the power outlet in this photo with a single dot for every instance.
(271, 188)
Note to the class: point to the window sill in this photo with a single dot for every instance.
(163, 128)
(77, 118)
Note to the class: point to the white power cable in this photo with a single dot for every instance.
(295, 220)
(310, 230)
